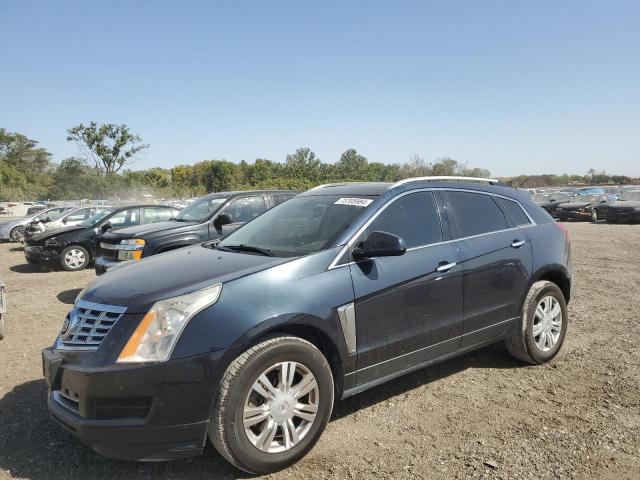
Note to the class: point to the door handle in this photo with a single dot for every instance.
(517, 243)
(445, 267)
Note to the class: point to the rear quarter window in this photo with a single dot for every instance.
(514, 211)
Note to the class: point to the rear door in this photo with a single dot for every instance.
(496, 259)
(407, 312)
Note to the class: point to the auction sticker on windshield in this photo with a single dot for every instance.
(356, 202)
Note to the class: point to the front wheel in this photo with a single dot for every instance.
(273, 403)
(17, 234)
(540, 331)
(74, 258)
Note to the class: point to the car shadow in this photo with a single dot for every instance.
(69, 296)
(32, 446)
(493, 356)
(26, 268)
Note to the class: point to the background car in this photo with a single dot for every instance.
(625, 210)
(578, 208)
(73, 248)
(13, 229)
(550, 201)
(210, 217)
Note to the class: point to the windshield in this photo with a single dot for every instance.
(91, 221)
(200, 210)
(298, 226)
(630, 196)
(585, 199)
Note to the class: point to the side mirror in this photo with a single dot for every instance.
(64, 221)
(222, 219)
(552, 201)
(380, 244)
(105, 226)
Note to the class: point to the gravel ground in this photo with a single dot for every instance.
(482, 415)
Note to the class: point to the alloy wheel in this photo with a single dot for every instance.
(547, 323)
(75, 258)
(281, 407)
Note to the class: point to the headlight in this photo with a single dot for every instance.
(130, 249)
(158, 332)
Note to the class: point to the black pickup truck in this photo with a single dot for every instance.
(209, 217)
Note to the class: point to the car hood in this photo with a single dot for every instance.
(54, 232)
(141, 230)
(137, 285)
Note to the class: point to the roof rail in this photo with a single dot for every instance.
(491, 181)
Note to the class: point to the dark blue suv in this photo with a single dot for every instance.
(248, 340)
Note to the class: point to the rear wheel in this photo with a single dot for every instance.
(272, 405)
(74, 258)
(540, 331)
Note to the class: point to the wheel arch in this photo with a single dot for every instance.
(557, 275)
(320, 339)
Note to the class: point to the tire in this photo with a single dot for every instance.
(16, 233)
(74, 258)
(523, 343)
(227, 428)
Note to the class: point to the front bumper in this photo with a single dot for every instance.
(573, 215)
(145, 412)
(102, 264)
(41, 256)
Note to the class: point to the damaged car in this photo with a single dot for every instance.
(579, 207)
(73, 248)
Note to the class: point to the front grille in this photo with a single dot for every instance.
(88, 324)
(118, 408)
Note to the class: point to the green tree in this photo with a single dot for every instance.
(110, 147)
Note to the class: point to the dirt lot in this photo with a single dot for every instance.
(482, 415)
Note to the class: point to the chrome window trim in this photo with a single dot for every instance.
(344, 249)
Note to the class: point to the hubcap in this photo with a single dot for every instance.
(281, 407)
(547, 323)
(74, 258)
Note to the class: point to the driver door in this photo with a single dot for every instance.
(408, 308)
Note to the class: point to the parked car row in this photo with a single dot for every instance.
(276, 308)
(595, 207)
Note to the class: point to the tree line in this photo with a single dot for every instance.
(28, 172)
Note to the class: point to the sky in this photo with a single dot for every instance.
(517, 87)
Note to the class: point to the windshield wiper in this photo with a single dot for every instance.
(173, 219)
(248, 248)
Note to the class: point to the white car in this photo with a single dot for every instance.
(73, 217)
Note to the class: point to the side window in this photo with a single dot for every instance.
(245, 209)
(79, 215)
(413, 217)
(157, 214)
(473, 214)
(514, 211)
(281, 197)
(126, 218)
